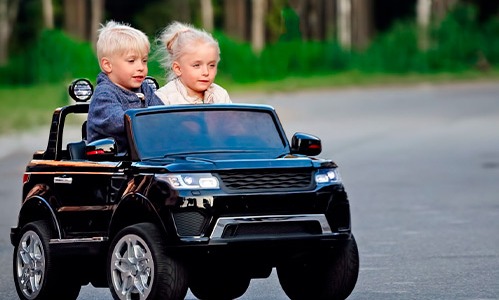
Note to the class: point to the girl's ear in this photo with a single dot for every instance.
(176, 68)
(106, 65)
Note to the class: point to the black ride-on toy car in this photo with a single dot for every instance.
(207, 197)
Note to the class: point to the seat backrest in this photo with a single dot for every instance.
(77, 150)
(84, 130)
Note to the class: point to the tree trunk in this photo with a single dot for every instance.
(362, 23)
(441, 7)
(75, 16)
(330, 20)
(315, 20)
(300, 7)
(97, 16)
(236, 19)
(48, 14)
(207, 14)
(182, 10)
(423, 10)
(344, 11)
(258, 25)
(8, 15)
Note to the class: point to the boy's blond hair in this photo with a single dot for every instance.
(119, 38)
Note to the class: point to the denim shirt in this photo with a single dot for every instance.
(107, 110)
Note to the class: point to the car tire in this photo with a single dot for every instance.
(331, 275)
(139, 266)
(217, 283)
(38, 274)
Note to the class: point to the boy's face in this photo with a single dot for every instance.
(126, 70)
(197, 68)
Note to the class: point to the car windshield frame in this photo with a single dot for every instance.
(214, 132)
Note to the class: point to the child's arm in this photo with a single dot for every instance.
(105, 117)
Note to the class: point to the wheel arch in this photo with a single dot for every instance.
(37, 208)
(133, 209)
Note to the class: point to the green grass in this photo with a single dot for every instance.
(354, 79)
(28, 107)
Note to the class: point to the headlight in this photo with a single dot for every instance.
(81, 90)
(327, 176)
(190, 181)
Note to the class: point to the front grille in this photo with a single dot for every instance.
(266, 181)
(271, 229)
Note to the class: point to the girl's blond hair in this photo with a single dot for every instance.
(176, 40)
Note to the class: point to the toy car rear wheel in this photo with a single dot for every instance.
(139, 266)
(330, 275)
(38, 274)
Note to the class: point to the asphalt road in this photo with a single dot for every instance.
(420, 164)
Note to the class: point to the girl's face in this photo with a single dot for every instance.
(126, 70)
(197, 68)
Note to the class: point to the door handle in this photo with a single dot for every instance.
(63, 180)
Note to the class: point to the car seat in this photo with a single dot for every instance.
(77, 150)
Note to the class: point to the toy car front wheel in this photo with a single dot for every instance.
(37, 273)
(330, 275)
(140, 268)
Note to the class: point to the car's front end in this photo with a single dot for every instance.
(261, 204)
(239, 184)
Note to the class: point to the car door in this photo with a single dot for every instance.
(86, 193)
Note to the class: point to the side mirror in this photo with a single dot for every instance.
(104, 149)
(306, 144)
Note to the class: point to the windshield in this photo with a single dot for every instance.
(206, 133)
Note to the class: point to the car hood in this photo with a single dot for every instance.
(189, 164)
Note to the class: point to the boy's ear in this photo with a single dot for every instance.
(106, 65)
(176, 68)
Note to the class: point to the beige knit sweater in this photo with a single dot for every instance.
(174, 92)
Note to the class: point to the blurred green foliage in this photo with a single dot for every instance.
(457, 44)
(461, 47)
(24, 107)
(457, 41)
(54, 58)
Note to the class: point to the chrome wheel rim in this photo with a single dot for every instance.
(132, 268)
(30, 264)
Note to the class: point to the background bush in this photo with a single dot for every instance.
(459, 43)
(54, 58)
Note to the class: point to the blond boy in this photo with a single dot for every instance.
(122, 52)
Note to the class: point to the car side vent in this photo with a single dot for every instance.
(189, 223)
(266, 181)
